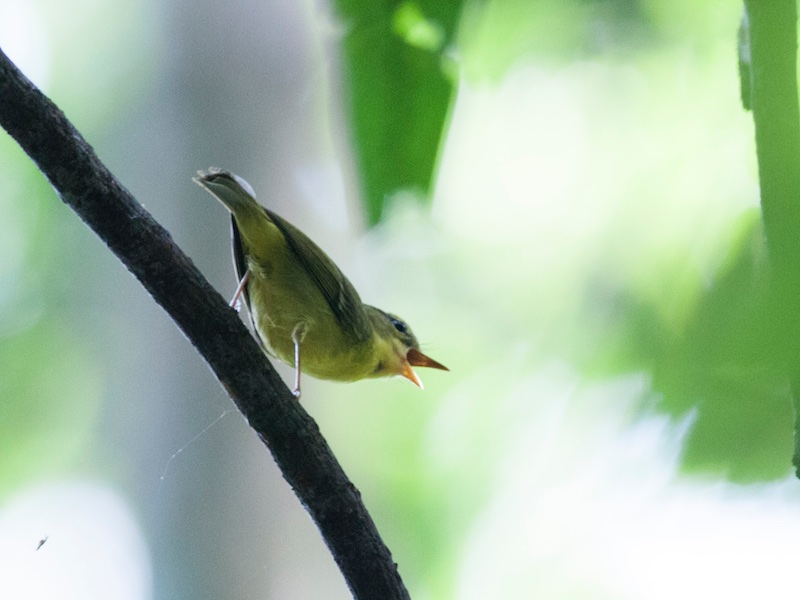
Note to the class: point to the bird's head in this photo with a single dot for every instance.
(398, 348)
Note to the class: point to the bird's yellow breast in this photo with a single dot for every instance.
(282, 298)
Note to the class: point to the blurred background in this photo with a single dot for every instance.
(589, 263)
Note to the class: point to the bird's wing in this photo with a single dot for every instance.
(337, 290)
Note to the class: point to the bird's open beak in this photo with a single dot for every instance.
(415, 358)
(409, 374)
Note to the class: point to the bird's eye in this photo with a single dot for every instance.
(400, 326)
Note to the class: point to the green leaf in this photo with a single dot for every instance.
(726, 370)
(398, 92)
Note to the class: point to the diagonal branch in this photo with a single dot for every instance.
(149, 252)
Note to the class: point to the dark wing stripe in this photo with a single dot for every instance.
(337, 290)
(240, 264)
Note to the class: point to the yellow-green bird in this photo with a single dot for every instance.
(304, 310)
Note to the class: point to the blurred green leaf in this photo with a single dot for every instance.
(50, 386)
(398, 91)
(51, 398)
(725, 370)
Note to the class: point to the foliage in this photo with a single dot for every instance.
(399, 92)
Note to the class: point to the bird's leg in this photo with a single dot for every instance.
(239, 289)
(298, 333)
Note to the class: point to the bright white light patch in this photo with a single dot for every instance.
(587, 504)
(71, 541)
(25, 42)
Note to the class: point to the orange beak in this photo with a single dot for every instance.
(415, 358)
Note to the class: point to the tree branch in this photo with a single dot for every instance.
(768, 55)
(149, 252)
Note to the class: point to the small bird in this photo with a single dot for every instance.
(304, 310)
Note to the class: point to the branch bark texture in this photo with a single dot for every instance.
(769, 44)
(149, 252)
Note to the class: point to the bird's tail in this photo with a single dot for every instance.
(231, 190)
